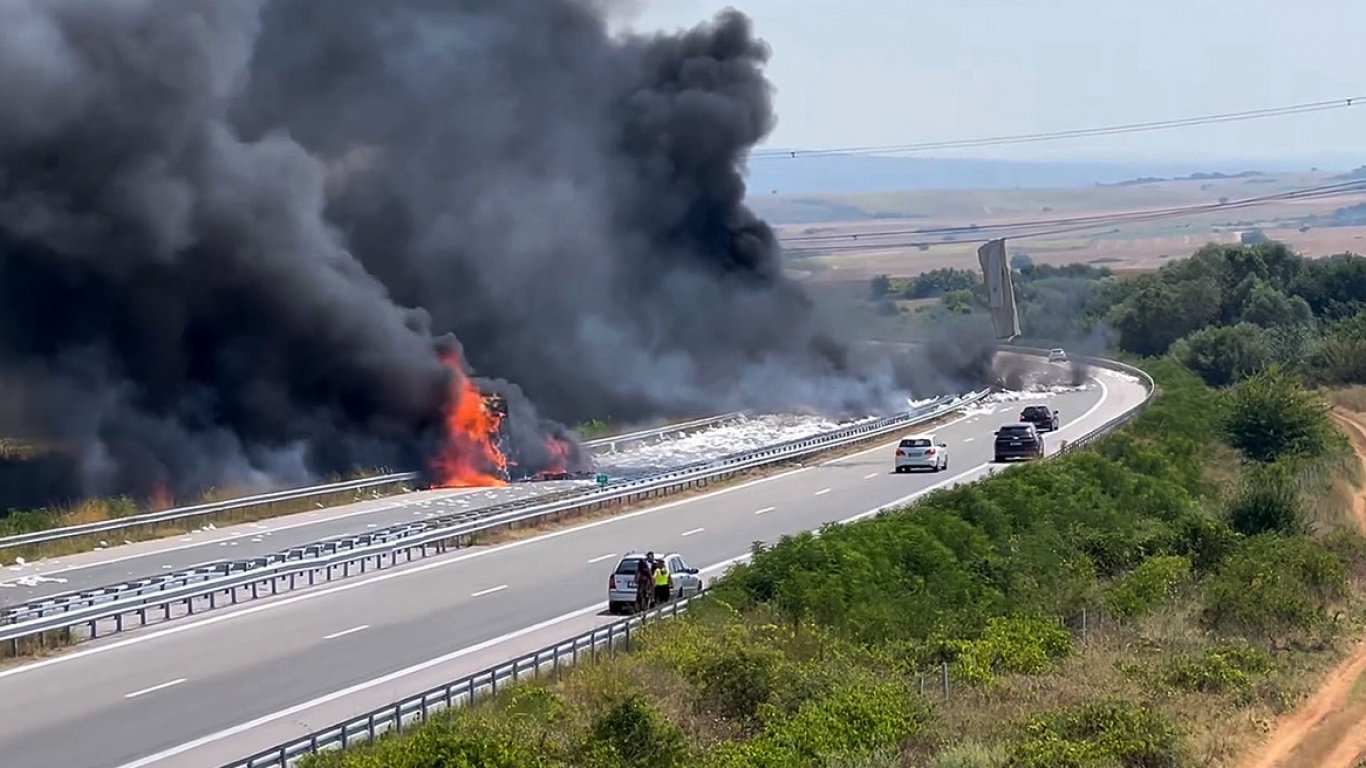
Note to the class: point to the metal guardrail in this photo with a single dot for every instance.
(417, 540)
(1124, 418)
(295, 494)
(200, 510)
(65, 602)
(466, 690)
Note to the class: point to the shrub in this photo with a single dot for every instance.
(1272, 416)
(1224, 354)
(1273, 586)
(1269, 502)
(463, 740)
(1218, 670)
(1102, 733)
(1154, 581)
(856, 719)
(629, 732)
(1020, 644)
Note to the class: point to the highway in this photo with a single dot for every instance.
(206, 690)
(88, 570)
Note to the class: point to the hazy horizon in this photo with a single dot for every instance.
(883, 72)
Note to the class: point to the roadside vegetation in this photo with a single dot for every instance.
(1156, 601)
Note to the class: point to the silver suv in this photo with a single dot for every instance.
(621, 585)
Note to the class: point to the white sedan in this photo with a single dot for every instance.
(922, 452)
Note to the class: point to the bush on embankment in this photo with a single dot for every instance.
(833, 650)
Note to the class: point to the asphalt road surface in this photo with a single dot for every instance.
(170, 696)
(88, 570)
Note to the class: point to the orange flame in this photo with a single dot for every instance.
(161, 498)
(468, 456)
(557, 463)
(559, 451)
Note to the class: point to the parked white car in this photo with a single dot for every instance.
(621, 585)
(1057, 356)
(922, 452)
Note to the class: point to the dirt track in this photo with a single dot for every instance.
(1329, 731)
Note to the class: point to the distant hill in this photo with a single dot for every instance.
(846, 174)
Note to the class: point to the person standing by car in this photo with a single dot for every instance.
(644, 580)
(663, 583)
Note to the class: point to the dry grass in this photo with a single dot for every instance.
(1116, 662)
(99, 511)
(1350, 398)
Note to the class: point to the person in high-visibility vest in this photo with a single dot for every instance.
(663, 584)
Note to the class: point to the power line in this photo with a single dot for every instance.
(1064, 225)
(1159, 125)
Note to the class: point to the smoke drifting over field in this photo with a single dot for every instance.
(237, 236)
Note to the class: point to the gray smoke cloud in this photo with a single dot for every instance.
(235, 234)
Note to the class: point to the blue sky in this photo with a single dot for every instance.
(871, 72)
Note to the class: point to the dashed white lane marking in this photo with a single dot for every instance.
(600, 558)
(871, 476)
(489, 591)
(695, 530)
(346, 632)
(822, 491)
(154, 688)
(765, 510)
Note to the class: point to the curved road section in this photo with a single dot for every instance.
(207, 691)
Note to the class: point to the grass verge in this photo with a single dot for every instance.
(100, 510)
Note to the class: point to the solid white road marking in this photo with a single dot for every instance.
(345, 632)
(335, 695)
(600, 558)
(822, 491)
(154, 688)
(765, 510)
(695, 530)
(489, 591)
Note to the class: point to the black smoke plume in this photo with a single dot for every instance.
(235, 234)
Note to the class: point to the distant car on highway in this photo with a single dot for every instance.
(1057, 356)
(621, 585)
(1018, 441)
(922, 452)
(1041, 416)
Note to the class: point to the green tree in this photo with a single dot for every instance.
(937, 282)
(1157, 313)
(1272, 416)
(1269, 307)
(879, 287)
(1223, 355)
(1340, 358)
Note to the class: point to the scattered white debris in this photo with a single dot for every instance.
(745, 434)
(1037, 393)
(33, 581)
(20, 561)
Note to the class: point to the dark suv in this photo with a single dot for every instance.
(1041, 416)
(1018, 441)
